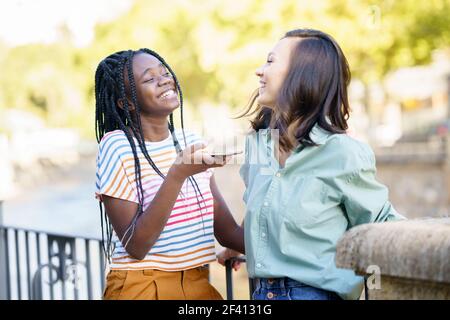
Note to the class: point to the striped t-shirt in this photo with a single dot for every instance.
(187, 240)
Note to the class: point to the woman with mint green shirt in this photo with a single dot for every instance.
(307, 182)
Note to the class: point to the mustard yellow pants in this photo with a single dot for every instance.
(190, 284)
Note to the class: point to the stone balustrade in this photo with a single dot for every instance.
(407, 259)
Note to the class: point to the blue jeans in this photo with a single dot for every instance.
(289, 289)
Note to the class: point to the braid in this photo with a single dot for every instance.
(109, 88)
(105, 121)
(171, 125)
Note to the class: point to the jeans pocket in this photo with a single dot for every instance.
(255, 295)
(259, 294)
(271, 294)
(308, 293)
(333, 296)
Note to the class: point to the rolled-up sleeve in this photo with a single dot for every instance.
(365, 199)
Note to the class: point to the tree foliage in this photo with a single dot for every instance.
(215, 46)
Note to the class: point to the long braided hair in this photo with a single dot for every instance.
(110, 88)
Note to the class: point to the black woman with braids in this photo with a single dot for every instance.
(162, 205)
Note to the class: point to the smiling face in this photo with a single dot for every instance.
(273, 72)
(155, 87)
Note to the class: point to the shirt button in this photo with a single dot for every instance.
(266, 204)
(263, 235)
(278, 175)
(270, 295)
(258, 265)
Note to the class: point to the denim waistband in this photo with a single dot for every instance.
(277, 283)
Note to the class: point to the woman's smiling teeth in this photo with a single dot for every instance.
(168, 94)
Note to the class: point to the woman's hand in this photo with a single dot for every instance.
(194, 159)
(228, 254)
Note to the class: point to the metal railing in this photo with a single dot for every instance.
(38, 265)
(229, 278)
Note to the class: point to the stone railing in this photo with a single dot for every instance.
(407, 259)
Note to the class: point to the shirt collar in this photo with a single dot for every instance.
(319, 135)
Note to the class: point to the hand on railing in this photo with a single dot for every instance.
(232, 259)
(229, 254)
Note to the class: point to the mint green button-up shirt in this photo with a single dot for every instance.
(296, 214)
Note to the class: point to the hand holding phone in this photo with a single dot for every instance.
(225, 153)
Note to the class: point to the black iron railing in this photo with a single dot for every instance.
(229, 277)
(39, 265)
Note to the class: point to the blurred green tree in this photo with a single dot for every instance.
(215, 46)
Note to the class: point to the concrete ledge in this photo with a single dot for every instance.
(409, 249)
(395, 288)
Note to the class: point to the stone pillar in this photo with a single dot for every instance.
(407, 259)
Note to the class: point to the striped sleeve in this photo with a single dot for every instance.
(112, 178)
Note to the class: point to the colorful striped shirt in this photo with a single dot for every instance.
(187, 240)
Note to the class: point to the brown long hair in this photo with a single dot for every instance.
(314, 91)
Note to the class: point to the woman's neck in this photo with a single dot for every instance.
(154, 129)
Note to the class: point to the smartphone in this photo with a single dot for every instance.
(225, 153)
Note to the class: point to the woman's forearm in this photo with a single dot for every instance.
(226, 230)
(151, 223)
(236, 240)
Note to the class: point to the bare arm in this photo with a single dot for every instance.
(151, 223)
(227, 231)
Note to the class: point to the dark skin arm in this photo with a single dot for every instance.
(226, 230)
(151, 223)
(229, 253)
